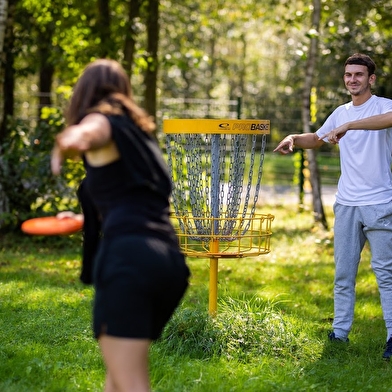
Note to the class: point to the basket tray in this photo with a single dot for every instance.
(254, 241)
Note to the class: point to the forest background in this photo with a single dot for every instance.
(267, 59)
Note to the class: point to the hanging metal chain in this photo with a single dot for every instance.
(190, 158)
(250, 177)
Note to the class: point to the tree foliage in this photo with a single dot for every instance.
(253, 50)
(25, 171)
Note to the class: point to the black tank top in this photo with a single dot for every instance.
(131, 202)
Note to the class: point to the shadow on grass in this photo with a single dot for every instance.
(353, 366)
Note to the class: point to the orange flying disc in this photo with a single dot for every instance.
(51, 225)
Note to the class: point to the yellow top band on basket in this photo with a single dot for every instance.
(219, 126)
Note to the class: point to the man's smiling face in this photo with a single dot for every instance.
(357, 80)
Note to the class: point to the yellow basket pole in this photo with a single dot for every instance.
(213, 295)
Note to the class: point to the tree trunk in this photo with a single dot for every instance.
(3, 20)
(103, 28)
(46, 70)
(7, 10)
(150, 79)
(318, 209)
(3, 23)
(210, 83)
(7, 71)
(46, 73)
(130, 36)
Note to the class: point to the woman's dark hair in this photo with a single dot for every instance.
(105, 87)
(362, 59)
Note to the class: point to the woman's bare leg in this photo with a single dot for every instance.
(126, 362)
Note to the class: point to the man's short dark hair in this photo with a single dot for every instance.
(362, 59)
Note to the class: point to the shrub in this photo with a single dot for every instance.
(29, 186)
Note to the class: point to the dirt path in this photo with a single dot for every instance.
(284, 194)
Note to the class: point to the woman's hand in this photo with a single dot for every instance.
(69, 144)
(70, 214)
(92, 133)
(56, 160)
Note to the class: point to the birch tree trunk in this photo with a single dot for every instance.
(318, 209)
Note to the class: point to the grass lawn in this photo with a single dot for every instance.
(281, 169)
(274, 312)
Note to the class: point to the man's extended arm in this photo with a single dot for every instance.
(380, 121)
(303, 140)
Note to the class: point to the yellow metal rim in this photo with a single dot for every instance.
(216, 126)
(254, 242)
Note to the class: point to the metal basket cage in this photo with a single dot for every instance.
(254, 242)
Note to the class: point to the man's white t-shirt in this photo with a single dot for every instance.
(365, 156)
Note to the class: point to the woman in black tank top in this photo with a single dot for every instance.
(139, 272)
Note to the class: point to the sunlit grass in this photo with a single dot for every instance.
(274, 312)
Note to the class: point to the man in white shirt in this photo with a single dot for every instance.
(363, 207)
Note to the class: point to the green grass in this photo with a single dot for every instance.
(280, 169)
(274, 312)
(46, 342)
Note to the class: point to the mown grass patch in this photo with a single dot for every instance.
(270, 332)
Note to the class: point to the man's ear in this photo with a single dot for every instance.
(372, 79)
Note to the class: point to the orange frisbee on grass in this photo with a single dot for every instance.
(51, 225)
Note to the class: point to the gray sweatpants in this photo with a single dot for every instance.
(353, 226)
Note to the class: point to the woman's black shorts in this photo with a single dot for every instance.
(139, 281)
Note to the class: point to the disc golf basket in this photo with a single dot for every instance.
(216, 168)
